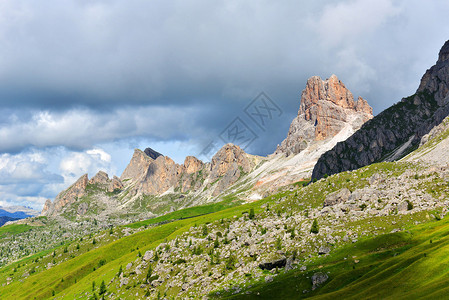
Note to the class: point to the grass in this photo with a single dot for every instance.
(119, 252)
(411, 264)
(186, 213)
(14, 229)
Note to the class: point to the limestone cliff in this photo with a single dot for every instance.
(398, 129)
(66, 197)
(138, 165)
(327, 107)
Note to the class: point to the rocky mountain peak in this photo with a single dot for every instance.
(137, 166)
(152, 153)
(192, 164)
(68, 196)
(396, 130)
(327, 107)
(99, 178)
(444, 52)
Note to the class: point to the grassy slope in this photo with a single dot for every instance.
(116, 253)
(406, 265)
(187, 213)
(13, 229)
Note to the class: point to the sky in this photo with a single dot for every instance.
(84, 83)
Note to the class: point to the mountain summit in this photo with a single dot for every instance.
(397, 130)
(327, 107)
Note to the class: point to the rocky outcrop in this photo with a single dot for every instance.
(69, 196)
(152, 153)
(192, 164)
(162, 174)
(115, 184)
(138, 166)
(47, 206)
(326, 108)
(100, 178)
(398, 129)
(227, 165)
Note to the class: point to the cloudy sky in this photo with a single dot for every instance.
(83, 83)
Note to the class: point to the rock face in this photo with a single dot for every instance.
(70, 195)
(227, 165)
(152, 153)
(162, 174)
(392, 133)
(138, 165)
(115, 184)
(99, 178)
(326, 108)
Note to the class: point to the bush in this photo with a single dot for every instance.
(149, 273)
(102, 288)
(315, 227)
(409, 205)
(251, 213)
(230, 262)
(179, 261)
(101, 262)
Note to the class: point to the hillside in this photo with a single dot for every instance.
(368, 235)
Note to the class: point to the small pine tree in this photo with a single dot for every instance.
(149, 272)
(111, 231)
(120, 271)
(156, 256)
(93, 286)
(251, 213)
(77, 246)
(216, 242)
(94, 241)
(314, 228)
(102, 288)
(95, 222)
(205, 231)
(65, 249)
(93, 297)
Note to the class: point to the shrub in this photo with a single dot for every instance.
(409, 205)
(315, 227)
(102, 288)
(251, 213)
(101, 262)
(149, 273)
(230, 262)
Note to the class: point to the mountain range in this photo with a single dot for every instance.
(349, 205)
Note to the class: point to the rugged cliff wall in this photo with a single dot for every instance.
(398, 129)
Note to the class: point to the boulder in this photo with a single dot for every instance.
(280, 263)
(318, 279)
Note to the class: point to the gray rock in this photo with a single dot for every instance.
(318, 279)
(323, 250)
(337, 197)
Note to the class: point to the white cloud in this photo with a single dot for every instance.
(346, 21)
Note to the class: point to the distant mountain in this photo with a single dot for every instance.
(4, 219)
(18, 212)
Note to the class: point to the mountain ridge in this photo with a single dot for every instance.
(399, 127)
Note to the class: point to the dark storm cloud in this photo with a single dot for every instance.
(77, 73)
